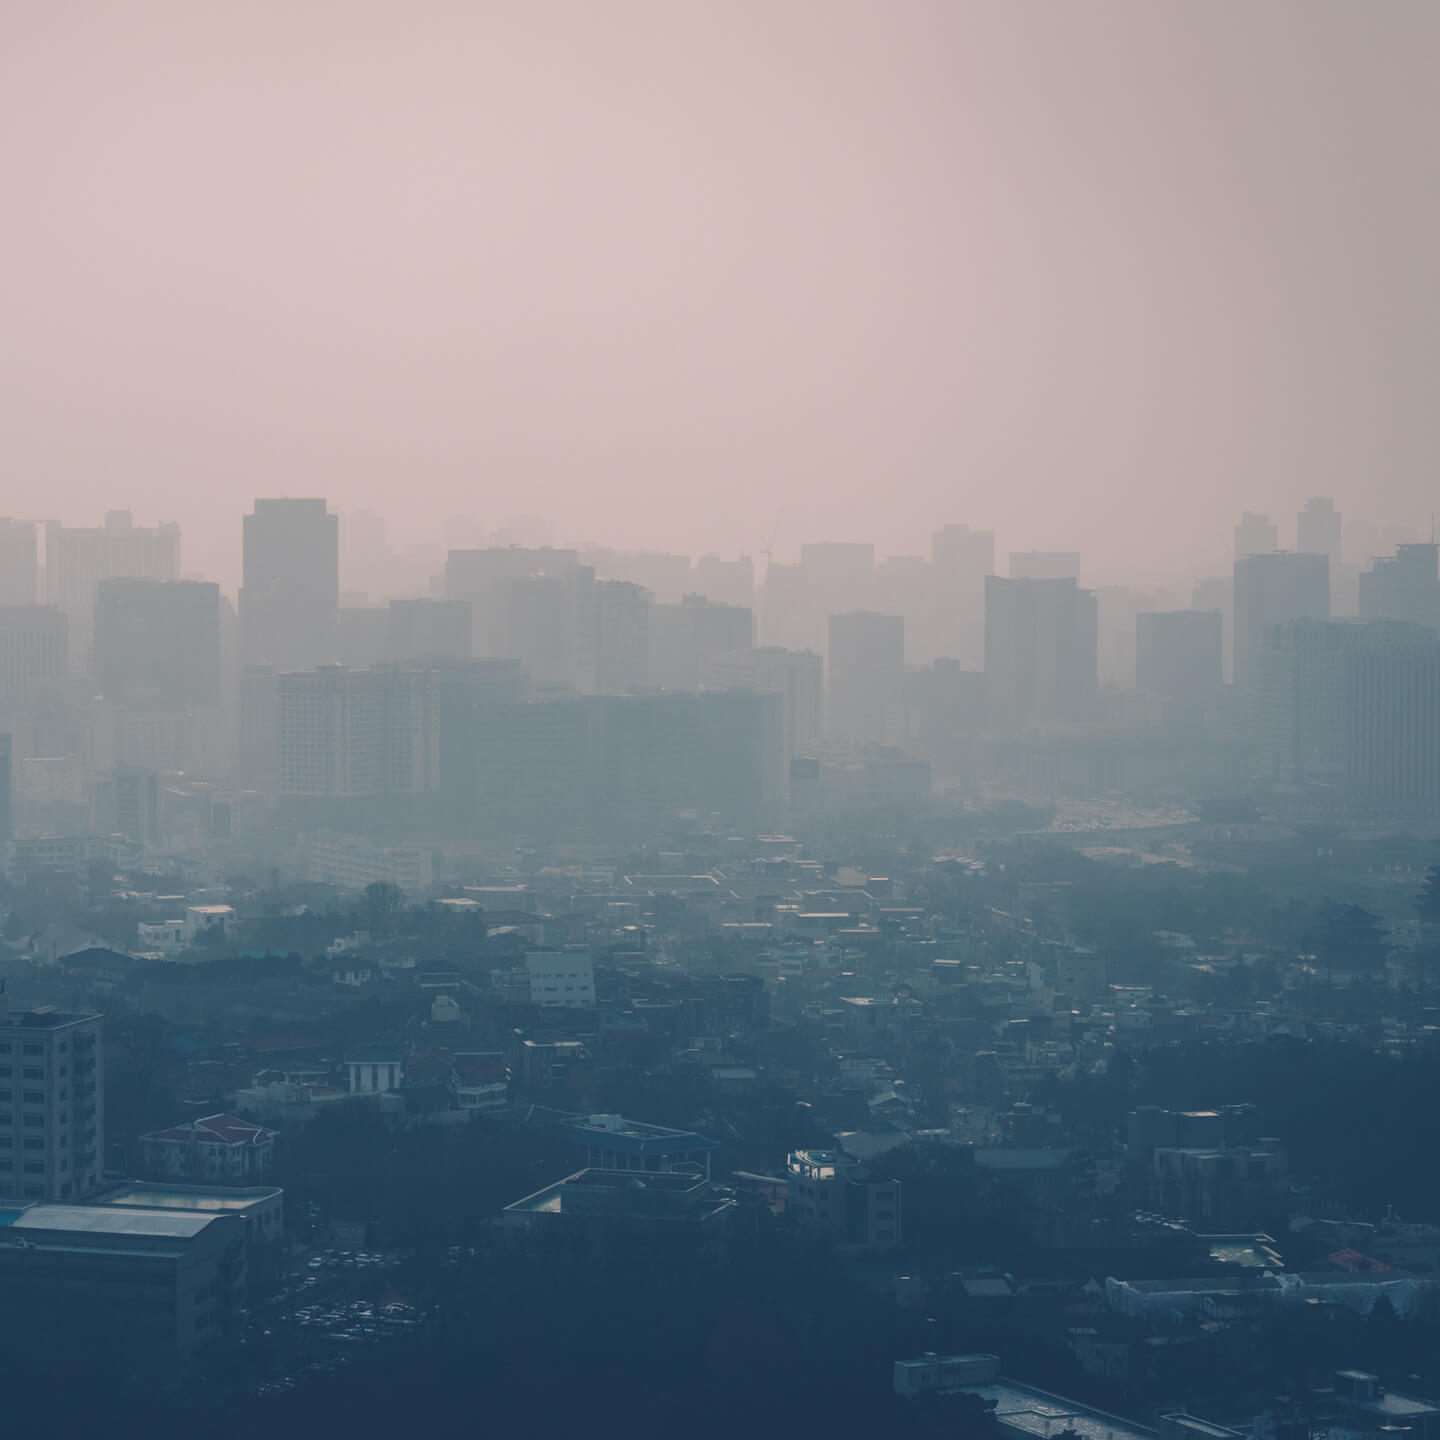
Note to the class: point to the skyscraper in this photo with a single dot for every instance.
(290, 595)
(19, 562)
(866, 676)
(1179, 655)
(622, 637)
(1318, 531)
(33, 648)
(1392, 725)
(684, 636)
(961, 558)
(1255, 535)
(1404, 586)
(157, 643)
(429, 630)
(1270, 589)
(76, 561)
(1041, 653)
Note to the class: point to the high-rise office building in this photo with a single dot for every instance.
(1270, 589)
(358, 734)
(961, 558)
(535, 605)
(1392, 725)
(7, 786)
(1319, 531)
(684, 636)
(1255, 535)
(728, 582)
(1179, 656)
(1403, 586)
(52, 1105)
(429, 630)
(622, 637)
(77, 560)
(1041, 653)
(33, 648)
(866, 675)
(797, 676)
(19, 562)
(157, 643)
(290, 592)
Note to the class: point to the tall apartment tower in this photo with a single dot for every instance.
(1179, 655)
(1041, 653)
(1255, 535)
(52, 1105)
(1318, 531)
(622, 636)
(1403, 586)
(866, 675)
(290, 590)
(19, 562)
(960, 559)
(1269, 590)
(428, 630)
(76, 561)
(33, 648)
(157, 643)
(1392, 725)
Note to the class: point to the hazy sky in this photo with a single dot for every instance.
(1096, 274)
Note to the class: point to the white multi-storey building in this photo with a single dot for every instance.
(52, 1110)
(562, 978)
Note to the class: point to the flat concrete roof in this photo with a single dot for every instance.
(123, 1220)
(143, 1195)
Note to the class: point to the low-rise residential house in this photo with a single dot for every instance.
(222, 1148)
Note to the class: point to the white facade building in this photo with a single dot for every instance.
(352, 863)
(562, 978)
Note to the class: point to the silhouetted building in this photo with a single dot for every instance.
(157, 643)
(1319, 531)
(1392, 725)
(290, 593)
(33, 649)
(1179, 656)
(1270, 589)
(797, 676)
(866, 676)
(19, 562)
(1255, 535)
(1040, 653)
(358, 734)
(77, 560)
(429, 630)
(1404, 586)
(684, 636)
(622, 637)
(961, 558)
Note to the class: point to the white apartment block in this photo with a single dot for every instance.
(52, 1105)
(352, 862)
(562, 978)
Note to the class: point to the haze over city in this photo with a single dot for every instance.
(720, 721)
(709, 278)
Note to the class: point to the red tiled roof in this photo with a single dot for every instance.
(227, 1129)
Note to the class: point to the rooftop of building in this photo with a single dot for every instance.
(226, 1129)
(633, 1136)
(120, 1220)
(212, 1199)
